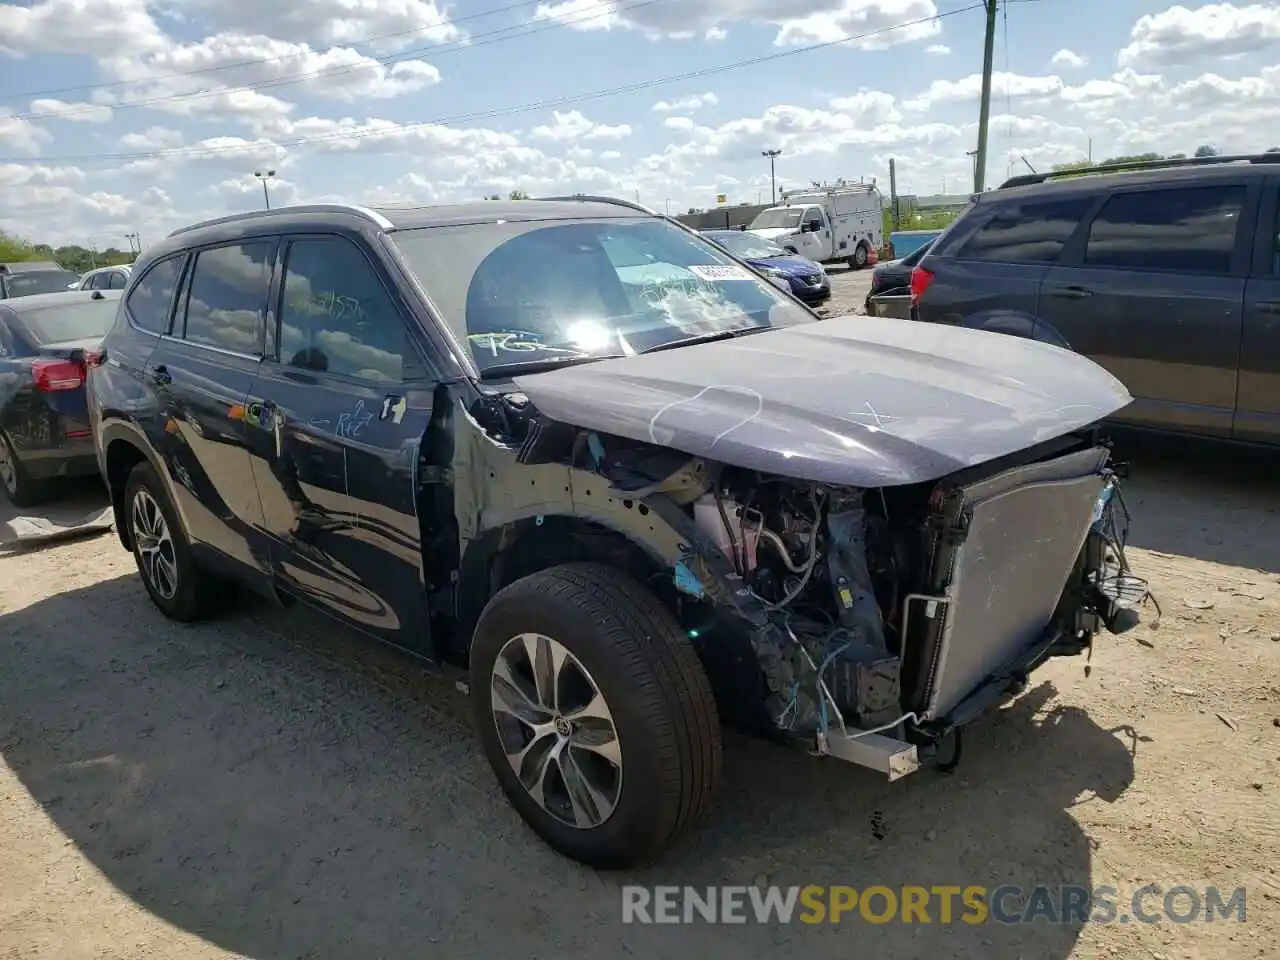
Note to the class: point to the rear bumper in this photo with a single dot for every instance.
(76, 458)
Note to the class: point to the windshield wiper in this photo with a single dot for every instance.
(705, 338)
(512, 368)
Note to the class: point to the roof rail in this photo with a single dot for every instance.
(1028, 179)
(613, 200)
(372, 216)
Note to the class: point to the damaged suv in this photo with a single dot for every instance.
(620, 479)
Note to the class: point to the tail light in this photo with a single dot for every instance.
(54, 376)
(920, 280)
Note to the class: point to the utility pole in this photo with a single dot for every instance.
(984, 113)
(264, 177)
(773, 179)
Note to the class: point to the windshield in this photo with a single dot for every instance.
(39, 281)
(568, 290)
(747, 247)
(82, 320)
(777, 217)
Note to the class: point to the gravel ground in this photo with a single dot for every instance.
(269, 785)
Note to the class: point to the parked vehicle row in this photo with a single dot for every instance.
(1168, 276)
(620, 481)
(47, 343)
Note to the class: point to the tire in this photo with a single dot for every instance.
(653, 685)
(196, 592)
(17, 484)
(859, 258)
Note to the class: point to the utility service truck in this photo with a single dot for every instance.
(843, 221)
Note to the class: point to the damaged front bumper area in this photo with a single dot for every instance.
(884, 621)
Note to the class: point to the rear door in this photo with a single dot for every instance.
(987, 274)
(1152, 291)
(1258, 398)
(202, 374)
(338, 415)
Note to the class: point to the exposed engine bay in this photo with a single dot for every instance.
(881, 620)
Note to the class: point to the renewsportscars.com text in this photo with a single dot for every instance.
(1008, 904)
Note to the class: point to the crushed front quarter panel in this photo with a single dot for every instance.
(857, 401)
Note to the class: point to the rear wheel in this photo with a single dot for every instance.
(17, 483)
(860, 257)
(595, 714)
(176, 583)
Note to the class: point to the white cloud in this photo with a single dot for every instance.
(1068, 58)
(572, 125)
(21, 136)
(1180, 36)
(682, 124)
(152, 138)
(687, 104)
(938, 50)
(797, 21)
(72, 112)
(970, 88)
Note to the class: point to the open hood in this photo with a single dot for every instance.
(857, 401)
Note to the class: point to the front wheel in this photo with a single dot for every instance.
(595, 714)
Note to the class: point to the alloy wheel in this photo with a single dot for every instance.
(556, 730)
(155, 545)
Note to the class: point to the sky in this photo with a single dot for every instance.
(134, 116)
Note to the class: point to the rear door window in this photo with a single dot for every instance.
(1026, 232)
(228, 295)
(150, 303)
(1187, 230)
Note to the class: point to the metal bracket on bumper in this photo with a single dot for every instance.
(894, 758)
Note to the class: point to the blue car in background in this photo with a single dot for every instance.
(809, 281)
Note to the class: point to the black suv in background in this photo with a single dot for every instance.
(1167, 274)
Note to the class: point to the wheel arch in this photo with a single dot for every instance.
(521, 546)
(124, 447)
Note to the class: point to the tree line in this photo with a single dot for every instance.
(72, 257)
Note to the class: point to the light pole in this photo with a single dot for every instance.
(135, 244)
(264, 177)
(773, 180)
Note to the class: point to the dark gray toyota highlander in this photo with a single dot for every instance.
(622, 481)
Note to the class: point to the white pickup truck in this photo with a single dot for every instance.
(842, 222)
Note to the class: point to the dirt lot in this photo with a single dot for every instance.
(270, 786)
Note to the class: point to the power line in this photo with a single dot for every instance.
(513, 32)
(201, 71)
(568, 100)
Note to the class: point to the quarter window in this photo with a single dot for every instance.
(117, 280)
(150, 303)
(228, 294)
(1190, 230)
(335, 315)
(1026, 232)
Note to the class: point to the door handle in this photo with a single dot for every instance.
(1269, 306)
(1071, 293)
(161, 375)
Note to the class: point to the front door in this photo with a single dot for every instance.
(1153, 294)
(340, 408)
